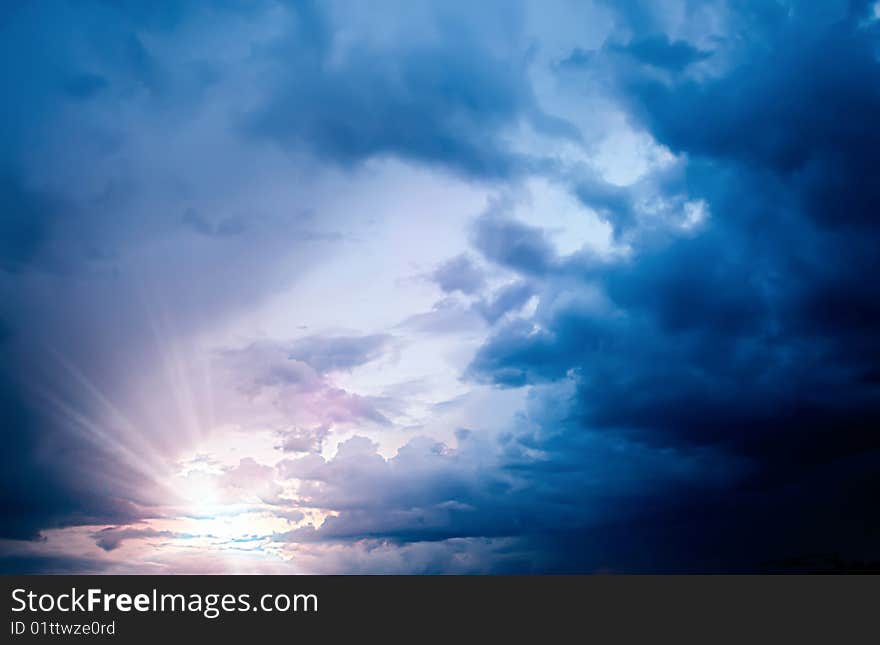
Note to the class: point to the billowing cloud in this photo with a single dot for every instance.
(305, 439)
(751, 336)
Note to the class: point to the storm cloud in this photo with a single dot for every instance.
(513, 287)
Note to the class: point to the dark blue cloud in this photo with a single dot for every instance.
(509, 298)
(447, 100)
(806, 118)
(613, 203)
(659, 51)
(513, 244)
(756, 336)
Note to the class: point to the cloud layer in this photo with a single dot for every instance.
(507, 288)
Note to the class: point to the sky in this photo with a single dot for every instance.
(439, 287)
